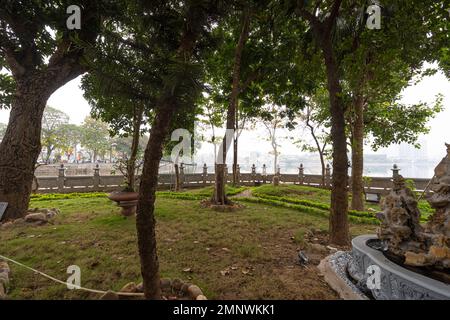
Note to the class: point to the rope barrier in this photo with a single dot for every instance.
(130, 294)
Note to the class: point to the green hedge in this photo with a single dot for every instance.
(61, 196)
(313, 204)
(307, 209)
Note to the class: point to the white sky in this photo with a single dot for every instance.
(69, 99)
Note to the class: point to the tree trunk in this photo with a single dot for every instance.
(322, 164)
(219, 190)
(131, 165)
(20, 147)
(275, 161)
(320, 149)
(177, 177)
(358, 154)
(219, 196)
(47, 156)
(235, 160)
(145, 219)
(339, 230)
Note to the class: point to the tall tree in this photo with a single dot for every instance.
(219, 196)
(322, 19)
(378, 64)
(168, 41)
(124, 111)
(41, 55)
(52, 121)
(95, 137)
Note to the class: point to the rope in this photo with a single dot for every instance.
(65, 283)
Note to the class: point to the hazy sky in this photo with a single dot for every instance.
(70, 99)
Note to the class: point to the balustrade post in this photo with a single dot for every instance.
(253, 174)
(181, 175)
(328, 176)
(205, 174)
(301, 175)
(238, 174)
(96, 178)
(264, 173)
(61, 178)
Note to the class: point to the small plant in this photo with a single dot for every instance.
(129, 169)
(410, 184)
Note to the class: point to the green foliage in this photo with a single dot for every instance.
(52, 134)
(353, 216)
(7, 86)
(60, 196)
(95, 137)
(199, 194)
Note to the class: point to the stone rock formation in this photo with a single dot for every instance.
(400, 229)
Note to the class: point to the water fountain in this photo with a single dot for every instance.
(411, 260)
(406, 259)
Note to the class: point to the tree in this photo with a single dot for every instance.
(69, 138)
(51, 138)
(41, 55)
(121, 110)
(322, 20)
(378, 64)
(95, 137)
(168, 40)
(315, 120)
(253, 62)
(272, 119)
(219, 196)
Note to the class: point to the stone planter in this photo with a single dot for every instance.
(126, 200)
(396, 282)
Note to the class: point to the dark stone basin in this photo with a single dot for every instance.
(396, 282)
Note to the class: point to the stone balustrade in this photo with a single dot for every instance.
(62, 183)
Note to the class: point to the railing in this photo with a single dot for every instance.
(62, 183)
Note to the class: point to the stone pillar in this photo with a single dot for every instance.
(205, 173)
(181, 175)
(253, 173)
(238, 174)
(301, 175)
(395, 171)
(264, 173)
(96, 178)
(328, 176)
(61, 178)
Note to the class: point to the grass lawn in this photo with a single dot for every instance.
(256, 246)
